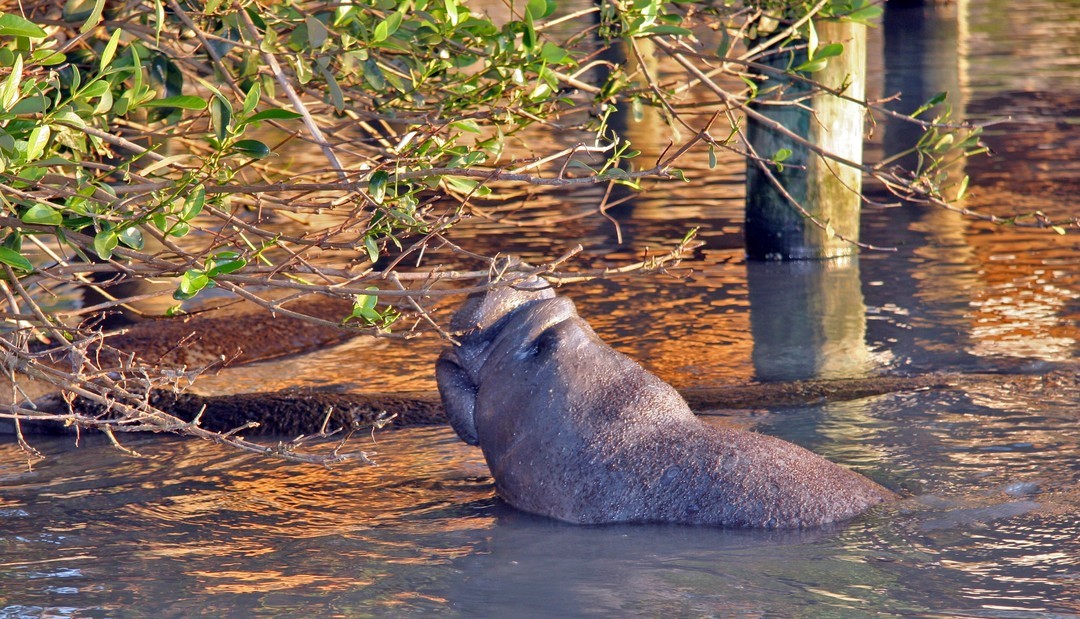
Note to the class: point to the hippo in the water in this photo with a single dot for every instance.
(574, 430)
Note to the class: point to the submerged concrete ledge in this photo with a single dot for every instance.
(294, 412)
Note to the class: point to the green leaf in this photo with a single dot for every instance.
(94, 18)
(167, 75)
(187, 102)
(386, 28)
(812, 66)
(274, 114)
(553, 54)
(110, 50)
(541, 91)
(13, 241)
(829, 51)
(725, 44)
(42, 214)
(180, 229)
(372, 248)
(193, 204)
(528, 35)
(943, 143)
(251, 148)
(12, 25)
(451, 7)
(316, 32)
(9, 92)
(47, 57)
(751, 84)
(105, 242)
(963, 187)
(37, 105)
(466, 124)
(190, 284)
(252, 98)
(811, 39)
(337, 97)
(667, 29)
(935, 100)
(226, 262)
(95, 88)
(377, 186)
(864, 15)
(364, 308)
(540, 9)
(460, 185)
(136, 77)
(163, 163)
(35, 144)
(220, 116)
(132, 237)
(303, 70)
(15, 260)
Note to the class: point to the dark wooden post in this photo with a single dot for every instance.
(827, 189)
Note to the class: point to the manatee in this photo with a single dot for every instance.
(574, 430)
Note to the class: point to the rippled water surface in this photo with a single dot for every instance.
(991, 525)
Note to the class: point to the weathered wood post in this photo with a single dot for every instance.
(826, 188)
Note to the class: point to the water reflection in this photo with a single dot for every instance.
(808, 320)
(196, 529)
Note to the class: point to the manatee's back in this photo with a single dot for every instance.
(746, 479)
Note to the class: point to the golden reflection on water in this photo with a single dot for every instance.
(226, 581)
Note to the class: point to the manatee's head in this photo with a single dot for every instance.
(479, 323)
(483, 310)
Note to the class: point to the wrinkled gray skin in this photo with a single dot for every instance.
(574, 430)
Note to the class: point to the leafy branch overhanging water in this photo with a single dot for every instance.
(144, 142)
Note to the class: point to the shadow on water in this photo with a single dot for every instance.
(991, 527)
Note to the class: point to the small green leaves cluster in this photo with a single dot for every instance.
(942, 149)
(194, 280)
(640, 18)
(57, 111)
(858, 11)
(807, 55)
(365, 311)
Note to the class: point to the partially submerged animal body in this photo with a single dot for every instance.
(575, 430)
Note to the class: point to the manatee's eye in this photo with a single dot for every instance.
(543, 345)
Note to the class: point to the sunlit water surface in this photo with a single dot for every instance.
(991, 527)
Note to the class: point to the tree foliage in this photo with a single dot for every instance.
(143, 141)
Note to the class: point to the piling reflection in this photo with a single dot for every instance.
(808, 319)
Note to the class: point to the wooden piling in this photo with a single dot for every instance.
(826, 188)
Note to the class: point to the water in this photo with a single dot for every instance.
(193, 529)
(992, 525)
